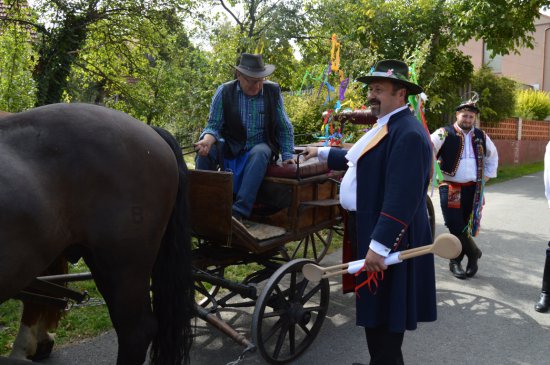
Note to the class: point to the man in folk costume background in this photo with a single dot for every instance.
(467, 158)
(384, 191)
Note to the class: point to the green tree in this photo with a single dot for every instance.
(398, 29)
(153, 72)
(504, 25)
(68, 24)
(496, 95)
(257, 26)
(374, 29)
(17, 87)
(132, 56)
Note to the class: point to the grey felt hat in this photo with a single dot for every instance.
(252, 65)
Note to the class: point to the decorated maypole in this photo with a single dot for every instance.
(338, 108)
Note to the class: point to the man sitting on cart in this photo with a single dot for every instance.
(247, 128)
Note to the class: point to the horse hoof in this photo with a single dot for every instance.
(43, 350)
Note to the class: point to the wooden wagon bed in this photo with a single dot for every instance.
(293, 202)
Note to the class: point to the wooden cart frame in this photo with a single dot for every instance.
(289, 310)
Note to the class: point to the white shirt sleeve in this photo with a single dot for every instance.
(438, 137)
(379, 248)
(491, 158)
(322, 153)
(547, 173)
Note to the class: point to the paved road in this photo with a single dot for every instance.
(485, 320)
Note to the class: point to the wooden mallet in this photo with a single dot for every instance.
(445, 245)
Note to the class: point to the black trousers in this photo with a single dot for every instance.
(384, 346)
(456, 219)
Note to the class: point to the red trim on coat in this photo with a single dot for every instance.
(395, 219)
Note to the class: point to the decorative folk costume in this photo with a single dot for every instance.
(466, 158)
(544, 302)
(384, 190)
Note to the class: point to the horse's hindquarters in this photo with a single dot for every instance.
(87, 176)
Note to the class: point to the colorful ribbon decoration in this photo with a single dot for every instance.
(324, 79)
(335, 54)
(343, 87)
(417, 103)
(330, 135)
(475, 218)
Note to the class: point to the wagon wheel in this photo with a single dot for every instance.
(206, 292)
(314, 246)
(431, 214)
(289, 313)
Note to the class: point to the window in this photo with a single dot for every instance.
(494, 63)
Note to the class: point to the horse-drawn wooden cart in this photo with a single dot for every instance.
(295, 216)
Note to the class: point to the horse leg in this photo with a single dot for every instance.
(126, 293)
(44, 338)
(25, 342)
(34, 341)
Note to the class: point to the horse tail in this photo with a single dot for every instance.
(172, 281)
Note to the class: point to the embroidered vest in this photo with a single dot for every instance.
(449, 154)
(233, 130)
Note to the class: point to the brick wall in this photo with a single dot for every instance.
(505, 129)
(519, 141)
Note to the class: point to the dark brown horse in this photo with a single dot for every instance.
(96, 183)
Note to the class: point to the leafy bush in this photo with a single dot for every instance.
(496, 95)
(532, 104)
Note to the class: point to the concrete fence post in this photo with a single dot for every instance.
(520, 126)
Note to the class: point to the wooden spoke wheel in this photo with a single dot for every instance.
(289, 313)
(314, 246)
(431, 214)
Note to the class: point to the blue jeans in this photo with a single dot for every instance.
(212, 161)
(252, 175)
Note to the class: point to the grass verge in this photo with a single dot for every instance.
(505, 173)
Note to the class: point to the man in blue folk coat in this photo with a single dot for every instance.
(384, 190)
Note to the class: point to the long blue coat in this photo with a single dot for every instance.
(393, 175)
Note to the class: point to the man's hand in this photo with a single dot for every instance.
(289, 162)
(374, 262)
(203, 146)
(310, 152)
